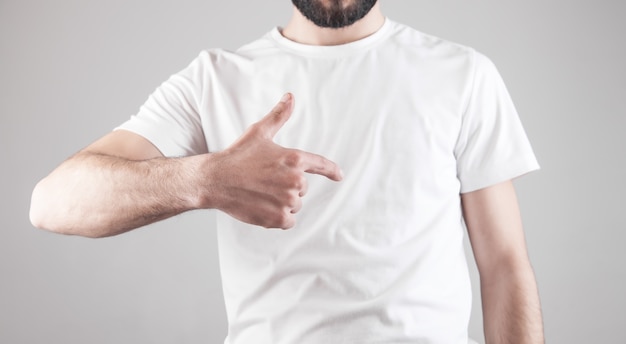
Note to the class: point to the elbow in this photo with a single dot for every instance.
(36, 219)
(47, 213)
(39, 214)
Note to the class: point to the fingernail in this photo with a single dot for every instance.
(285, 98)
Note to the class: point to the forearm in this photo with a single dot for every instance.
(511, 309)
(98, 195)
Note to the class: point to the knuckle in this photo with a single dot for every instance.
(291, 200)
(284, 220)
(297, 207)
(302, 182)
(255, 126)
(293, 159)
(277, 109)
(255, 129)
(274, 115)
(297, 182)
(282, 217)
(324, 164)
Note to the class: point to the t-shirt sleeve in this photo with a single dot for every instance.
(492, 146)
(170, 118)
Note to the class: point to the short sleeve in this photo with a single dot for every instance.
(170, 118)
(492, 146)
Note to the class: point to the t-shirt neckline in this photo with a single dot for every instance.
(331, 50)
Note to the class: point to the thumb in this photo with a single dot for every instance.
(273, 121)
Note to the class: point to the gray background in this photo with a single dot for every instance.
(70, 70)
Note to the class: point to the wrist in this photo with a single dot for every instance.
(204, 182)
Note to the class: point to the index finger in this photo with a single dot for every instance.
(317, 164)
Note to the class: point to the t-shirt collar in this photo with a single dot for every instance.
(330, 50)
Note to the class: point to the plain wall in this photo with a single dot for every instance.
(71, 70)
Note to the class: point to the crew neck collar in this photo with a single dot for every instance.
(330, 50)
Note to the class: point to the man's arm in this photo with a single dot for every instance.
(122, 182)
(511, 309)
(117, 183)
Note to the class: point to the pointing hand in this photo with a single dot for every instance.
(260, 182)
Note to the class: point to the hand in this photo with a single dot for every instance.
(262, 183)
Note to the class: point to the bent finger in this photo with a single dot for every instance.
(296, 208)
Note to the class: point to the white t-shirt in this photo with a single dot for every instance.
(412, 120)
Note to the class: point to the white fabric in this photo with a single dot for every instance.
(412, 120)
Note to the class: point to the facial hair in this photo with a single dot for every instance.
(333, 15)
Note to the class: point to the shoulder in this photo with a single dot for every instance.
(427, 44)
(438, 52)
(214, 63)
(209, 58)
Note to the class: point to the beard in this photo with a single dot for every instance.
(334, 14)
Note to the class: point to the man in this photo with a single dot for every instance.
(414, 133)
